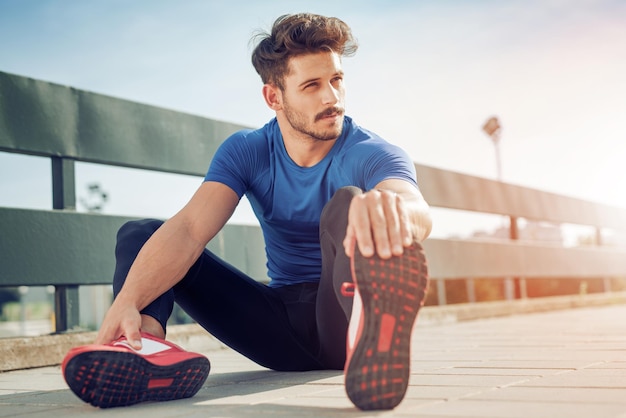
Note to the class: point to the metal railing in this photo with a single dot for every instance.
(64, 248)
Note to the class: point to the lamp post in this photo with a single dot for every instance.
(512, 285)
(493, 129)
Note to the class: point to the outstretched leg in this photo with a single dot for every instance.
(333, 305)
(374, 302)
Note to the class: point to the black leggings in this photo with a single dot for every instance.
(295, 327)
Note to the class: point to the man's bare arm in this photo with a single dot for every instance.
(166, 257)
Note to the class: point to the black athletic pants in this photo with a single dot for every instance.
(295, 327)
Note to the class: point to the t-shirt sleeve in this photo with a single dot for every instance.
(231, 165)
(384, 161)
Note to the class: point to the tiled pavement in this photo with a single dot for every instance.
(569, 363)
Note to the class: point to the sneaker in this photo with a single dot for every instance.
(115, 374)
(388, 294)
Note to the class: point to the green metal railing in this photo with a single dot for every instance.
(67, 249)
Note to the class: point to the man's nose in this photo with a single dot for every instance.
(330, 95)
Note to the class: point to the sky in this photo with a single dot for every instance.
(427, 75)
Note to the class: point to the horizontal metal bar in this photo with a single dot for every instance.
(40, 248)
(448, 189)
(47, 119)
(449, 259)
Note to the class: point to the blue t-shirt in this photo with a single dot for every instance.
(288, 199)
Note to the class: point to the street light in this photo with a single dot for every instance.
(493, 129)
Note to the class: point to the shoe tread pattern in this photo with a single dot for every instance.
(108, 378)
(392, 292)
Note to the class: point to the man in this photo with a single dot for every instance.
(342, 218)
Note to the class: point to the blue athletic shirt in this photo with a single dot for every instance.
(288, 199)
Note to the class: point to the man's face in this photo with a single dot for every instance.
(313, 98)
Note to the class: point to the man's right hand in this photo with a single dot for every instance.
(121, 321)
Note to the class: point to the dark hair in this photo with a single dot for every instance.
(298, 34)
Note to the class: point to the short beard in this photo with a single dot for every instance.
(298, 122)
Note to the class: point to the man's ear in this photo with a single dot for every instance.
(273, 97)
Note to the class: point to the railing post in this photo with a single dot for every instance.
(470, 288)
(63, 184)
(606, 281)
(599, 239)
(64, 197)
(523, 289)
(513, 228)
(65, 307)
(510, 282)
(441, 292)
(509, 288)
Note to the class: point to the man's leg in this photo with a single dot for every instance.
(388, 294)
(238, 310)
(114, 374)
(130, 238)
(246, 315)
(333, 306)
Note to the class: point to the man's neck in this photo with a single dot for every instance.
(306, 152)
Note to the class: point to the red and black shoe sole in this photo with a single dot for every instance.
(109, 378)
(392, 292)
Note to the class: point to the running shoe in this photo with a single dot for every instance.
(388, 294)
(115, 374)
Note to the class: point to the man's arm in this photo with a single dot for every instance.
(166, 257)
(386, 219)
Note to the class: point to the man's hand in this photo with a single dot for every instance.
(387, 219)
(121, 321)
(378, 221)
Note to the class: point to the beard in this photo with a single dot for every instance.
(299, 122)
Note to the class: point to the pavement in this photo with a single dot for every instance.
(567, 363)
